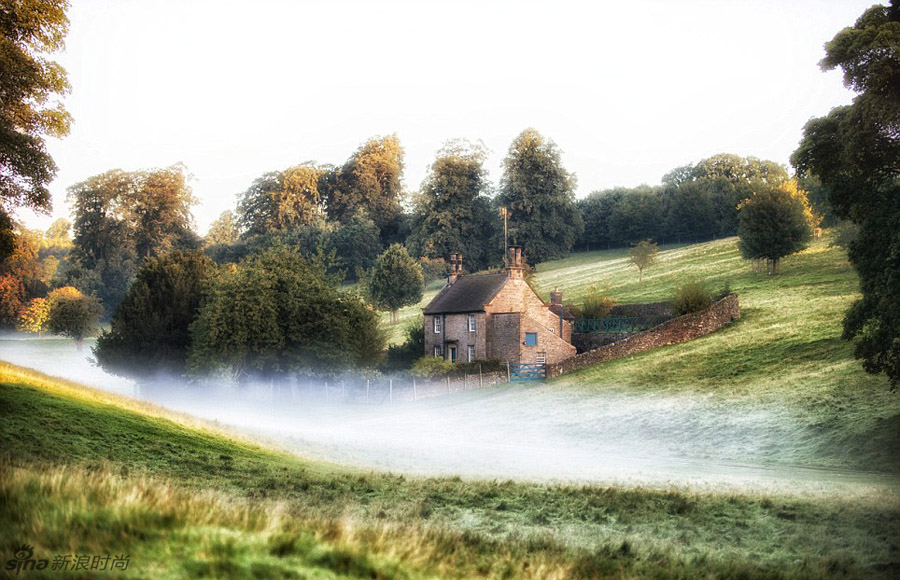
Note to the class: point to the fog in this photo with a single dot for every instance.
(535, 432)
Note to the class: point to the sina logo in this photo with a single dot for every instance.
(22, 560)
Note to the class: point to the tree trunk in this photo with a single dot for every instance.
(79, 344)
(393, 317)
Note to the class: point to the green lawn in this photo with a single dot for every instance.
(88, 472)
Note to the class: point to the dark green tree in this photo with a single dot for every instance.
(855, 152)
(356, 245)
(774, 223)
(150, 330)
(539, 195)
(596, 210)
(396, 281)
(278, 314)
(30, 86)
(452, 212)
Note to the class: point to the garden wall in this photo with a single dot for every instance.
(674, 331)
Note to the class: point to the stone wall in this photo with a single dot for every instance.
(674, 331)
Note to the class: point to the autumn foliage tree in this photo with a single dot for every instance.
(73, 314)
(30, 110)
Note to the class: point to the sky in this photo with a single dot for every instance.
(627, 90)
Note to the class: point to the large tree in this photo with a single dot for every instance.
(122, 218)
(371, 180)
(30, 110)
(539, 195)
(775, 222)
(278, 314)
(150, 331)
(281, 200)
(73, 314)
(453, 212)
(855, 151)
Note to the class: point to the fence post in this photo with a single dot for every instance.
(465, 382)
(367, 391)
(480, 377)
(391, 390)
(448, 384)
(415, 394)
(507, 371)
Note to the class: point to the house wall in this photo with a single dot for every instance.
(555, 349)
(504, 337)
(456, 328)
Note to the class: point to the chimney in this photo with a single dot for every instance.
(556, 297)
(455, 267)
(515, 263)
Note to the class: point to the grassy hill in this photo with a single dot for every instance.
(87, 472)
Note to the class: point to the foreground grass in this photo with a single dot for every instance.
(87, 472)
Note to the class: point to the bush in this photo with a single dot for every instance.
(690, 297)
(401, 357)
(429, 367)
(596, 305)
(434, 268)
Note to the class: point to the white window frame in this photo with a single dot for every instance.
(471, 323)
(439, 351)
(471, 352)
(437, 324)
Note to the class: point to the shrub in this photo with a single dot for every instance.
(402, 356)
(596, 305)
(690, 297)
(429, 367)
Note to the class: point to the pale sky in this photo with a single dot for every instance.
(627, 90)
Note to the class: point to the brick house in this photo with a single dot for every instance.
(496, 317)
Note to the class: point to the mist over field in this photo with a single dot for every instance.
(540, 433)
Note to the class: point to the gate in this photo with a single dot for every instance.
(519, 373)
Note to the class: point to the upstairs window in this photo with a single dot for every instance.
(437, 324)
(471, 323)
(530, 339)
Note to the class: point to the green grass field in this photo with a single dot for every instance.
(84, 471)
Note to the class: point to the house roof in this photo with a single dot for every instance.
(468, 294)
(563, 312)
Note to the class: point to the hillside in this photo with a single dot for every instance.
(88, 472)
(85, 471)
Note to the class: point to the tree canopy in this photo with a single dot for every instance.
(150, 329)
(775, 222)
(30, 110)
(281, 200)
(279, 314)
(643, 255)
(539, 196)
(452, 211)
(73, 314)
(855, 152)
(396, 281)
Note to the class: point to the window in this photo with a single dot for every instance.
(471, 323)
(437, 324)
(541, 358)
(438, 350)
(471, 352)
(530, 339)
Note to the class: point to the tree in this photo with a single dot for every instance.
(396, 281)
(854, 151)
(73, 314)
(643, 255)
(223, 231)
(122, 218)
(453, 214)
(35, 317)
(150, 331)
(279, 314)
(30, 110)
(12, 299)
(356, 244)
(775, 222)
(281, 200)
(539, 195)
(372, 180)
